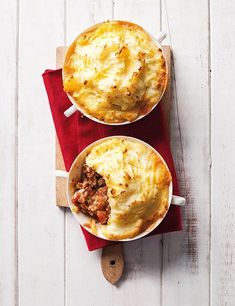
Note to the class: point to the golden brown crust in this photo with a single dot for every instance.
(109, 96)
(138, 186)
(93, 28)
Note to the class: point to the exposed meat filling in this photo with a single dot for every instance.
(91, 196)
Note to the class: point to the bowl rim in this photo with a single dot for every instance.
(82, 111)
(76, 215)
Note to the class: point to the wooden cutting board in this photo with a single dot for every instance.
(112, 259)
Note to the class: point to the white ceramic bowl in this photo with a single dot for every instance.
(157, 39)
(75, 171)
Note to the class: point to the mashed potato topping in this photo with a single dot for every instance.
(138, 185)
(115, 72)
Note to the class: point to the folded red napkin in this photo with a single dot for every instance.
(76, 132)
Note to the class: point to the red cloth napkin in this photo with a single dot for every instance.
(76, 132)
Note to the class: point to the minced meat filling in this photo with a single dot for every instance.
(91, 195)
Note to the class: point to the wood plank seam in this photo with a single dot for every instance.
(210, 150)
(186, 254)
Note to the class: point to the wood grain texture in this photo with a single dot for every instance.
(142, 268)
(41, 225)
(186, 255)
(112, 263)
(166, 99)
(111, 272)
(81, 15)
(145, 13)
(112, 259)
(8, 150)
(60, 183)
(143, 258)
(172, 270)
(223, 148)
(60, 54)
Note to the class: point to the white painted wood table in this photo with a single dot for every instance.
(43, 257)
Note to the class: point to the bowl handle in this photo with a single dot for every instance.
(71, 110)
(160, 36)
(176, 200)
(61, 173)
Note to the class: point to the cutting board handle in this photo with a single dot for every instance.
(112, 262)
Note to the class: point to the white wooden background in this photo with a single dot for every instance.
(43, 257)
